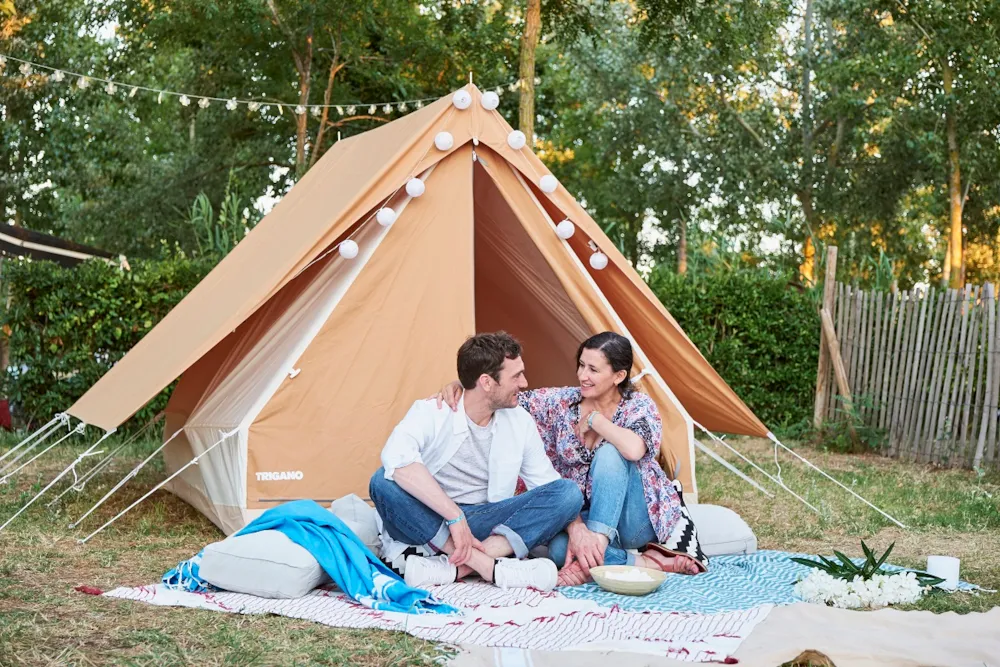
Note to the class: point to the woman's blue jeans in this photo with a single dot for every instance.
(617, 509)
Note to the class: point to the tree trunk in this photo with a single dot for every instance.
(807, 268)
(682, 249)
(954, 185)
(529, 42)
(303, 65)
(946, 266)
(302, 119)
(335, 66)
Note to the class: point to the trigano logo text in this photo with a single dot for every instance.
(276, 476)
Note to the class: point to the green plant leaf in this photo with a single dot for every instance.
(848, 563)
(811, 563)
(878, 566)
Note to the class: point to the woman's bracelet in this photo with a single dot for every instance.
(590, 419)
(452, 522)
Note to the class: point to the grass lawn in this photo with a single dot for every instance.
(44, 621)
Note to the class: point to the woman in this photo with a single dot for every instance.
(605, 436)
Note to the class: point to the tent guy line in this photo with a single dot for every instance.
(80, 483)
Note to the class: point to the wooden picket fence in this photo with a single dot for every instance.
(923, 368)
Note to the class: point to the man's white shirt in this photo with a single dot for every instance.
(431, 435)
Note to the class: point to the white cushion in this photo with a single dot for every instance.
(266, 564)
(721, 531)
(361, 518)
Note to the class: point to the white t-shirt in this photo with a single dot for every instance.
(466, 476)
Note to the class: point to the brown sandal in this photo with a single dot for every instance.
(669, 553)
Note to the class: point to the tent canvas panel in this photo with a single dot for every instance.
(391, 340)
(352, 178)
(676, 447)
(518, 292)
(697, 385)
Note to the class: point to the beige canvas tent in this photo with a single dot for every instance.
(296, 362)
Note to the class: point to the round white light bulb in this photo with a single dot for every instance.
(385, 216)
(414, 187)
(516, 140)
(598, 261)
(461, 99)
(490, 100)
(444, 141)
(548, 183)
(565, 229)
(348, 249)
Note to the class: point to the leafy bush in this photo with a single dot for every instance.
(758, 331)
(67, 327)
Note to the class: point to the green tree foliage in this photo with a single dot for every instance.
(123, 171)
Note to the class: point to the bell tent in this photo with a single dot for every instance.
(303, 348)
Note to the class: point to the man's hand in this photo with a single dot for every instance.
(464, 541)
(585, 547)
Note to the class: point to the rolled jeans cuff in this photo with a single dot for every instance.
(603, 529)
(516, 543)
(440, 538)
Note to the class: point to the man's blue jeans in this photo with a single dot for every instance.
(527, 520)
(617, 509)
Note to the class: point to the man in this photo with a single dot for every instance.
(448, 479)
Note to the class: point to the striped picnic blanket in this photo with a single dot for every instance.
(516, 618)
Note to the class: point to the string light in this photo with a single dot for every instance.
(565, 229)
(598, 261)
(385, 216)
(112, 87)
(444, 141)
(548, 183)
(414, 187)
(348, 249)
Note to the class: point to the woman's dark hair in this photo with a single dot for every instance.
(617, 350)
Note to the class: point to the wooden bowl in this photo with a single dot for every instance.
(600, 574)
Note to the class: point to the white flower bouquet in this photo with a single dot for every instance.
(848, 585)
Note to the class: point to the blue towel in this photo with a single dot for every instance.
(351, 565)
(185, 577)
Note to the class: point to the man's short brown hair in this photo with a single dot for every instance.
(485, 353)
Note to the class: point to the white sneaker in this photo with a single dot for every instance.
(540, 573)
(421, 572)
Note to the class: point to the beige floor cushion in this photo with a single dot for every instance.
(721, 531)
(266, 564)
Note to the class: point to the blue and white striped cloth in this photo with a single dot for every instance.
(732, 583)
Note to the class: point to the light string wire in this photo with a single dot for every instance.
(111, 87)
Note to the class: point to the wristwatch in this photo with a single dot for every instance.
(452, 522)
